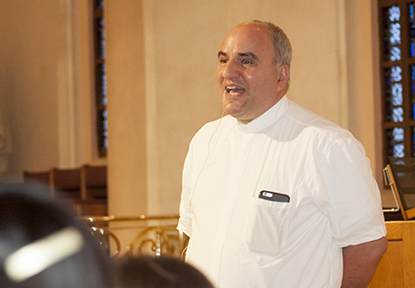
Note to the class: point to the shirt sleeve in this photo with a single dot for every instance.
(185, 221)
(355, 208)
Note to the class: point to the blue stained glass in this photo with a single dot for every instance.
(395, 54)
(394, 13)
(104, 84)
(99, 4)
(102, 44)
(411, 11)
(396, 73)
(100, 76)
(397, 94)
(101, 28)
(395, 33)
(397, 100)
(412, 29)
(412, 49)
(398, 151)
(394, 138)
(398, 134)
(397, 114)
(413, 90)
(106, 143)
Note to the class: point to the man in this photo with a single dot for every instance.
(274, 195)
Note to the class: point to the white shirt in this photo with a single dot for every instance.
(240, 240)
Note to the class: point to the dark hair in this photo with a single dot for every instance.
(29, 217)
(158, 272)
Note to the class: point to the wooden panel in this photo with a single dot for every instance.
(94, 182)
(387, 275)
(397, 267)
(394, 230)
(42, 177)
(408, 250)
(90, 208)
(67, 182)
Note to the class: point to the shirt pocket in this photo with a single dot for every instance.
(267, 226)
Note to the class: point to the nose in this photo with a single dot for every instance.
(231, 69)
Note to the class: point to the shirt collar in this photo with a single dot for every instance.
(268, 118)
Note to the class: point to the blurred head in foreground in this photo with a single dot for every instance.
(42, 244)
(158, 272)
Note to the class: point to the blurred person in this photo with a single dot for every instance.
(157, 272)
(44, 245)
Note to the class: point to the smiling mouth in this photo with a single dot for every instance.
(234, 89)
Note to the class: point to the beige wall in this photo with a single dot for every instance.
(45, 83)
(172, 47)
(127, 151)
(31, 78)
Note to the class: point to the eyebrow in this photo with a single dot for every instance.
(243, 54)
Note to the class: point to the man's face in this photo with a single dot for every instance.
(246, 74)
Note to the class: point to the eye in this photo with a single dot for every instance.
(247, 61)
(223, 60)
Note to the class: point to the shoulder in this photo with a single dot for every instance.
(317, 129)
(309, 120)
(216, 127)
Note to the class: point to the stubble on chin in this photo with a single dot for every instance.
(233, 108)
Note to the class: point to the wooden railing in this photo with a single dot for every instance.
(135, 235)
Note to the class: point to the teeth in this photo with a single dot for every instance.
(230, 88)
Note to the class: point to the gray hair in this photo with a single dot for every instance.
(282, 46)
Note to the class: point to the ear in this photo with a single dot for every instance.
(284, 75)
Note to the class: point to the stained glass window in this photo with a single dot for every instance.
(397, 31)
(412, 83)
(393, 93)
(395, 141)
(411, 29)
(392, 33)
(413, 140)
(100, 78)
